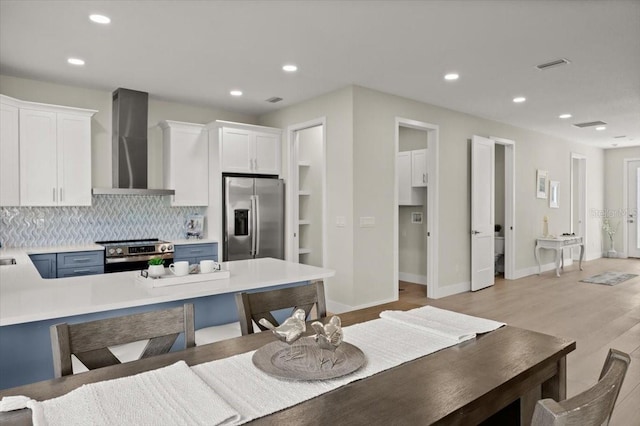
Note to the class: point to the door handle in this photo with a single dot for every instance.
(252, 224)
(257, 206)
(475, 232)
(630, 220)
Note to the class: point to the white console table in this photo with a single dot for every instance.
(559, 244)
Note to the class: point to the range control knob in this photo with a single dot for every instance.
(163, 248)
(170, 247)
(112, 251)
(119, 250)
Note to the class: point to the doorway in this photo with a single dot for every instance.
(578, 209)
(632, 206)
(505, 172)
(307, 193)
(420, 139)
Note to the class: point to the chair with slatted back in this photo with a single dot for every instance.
(90, 341)
(592, 407)
(253, 306)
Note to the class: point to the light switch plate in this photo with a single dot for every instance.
(341, 221)
(367, 222)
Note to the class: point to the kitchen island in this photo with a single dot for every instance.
(29, 304)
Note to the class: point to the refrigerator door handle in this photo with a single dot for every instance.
(256, 201)
(252, 225)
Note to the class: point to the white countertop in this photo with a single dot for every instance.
(26, 297)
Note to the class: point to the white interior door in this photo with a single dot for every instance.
(633, 207)
(482, 212)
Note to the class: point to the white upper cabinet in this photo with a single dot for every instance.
(74, 160)
(408, 194)
(55, 155)
(419, 176)
(249, 149)
(9, 153)
(186, 162)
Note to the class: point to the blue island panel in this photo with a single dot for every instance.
(25, 349)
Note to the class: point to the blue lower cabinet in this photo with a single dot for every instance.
(194, 253)
(62, 265)
(79, 271)
(46, 264)
(80, 263)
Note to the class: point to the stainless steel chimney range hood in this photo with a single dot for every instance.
(129, 145)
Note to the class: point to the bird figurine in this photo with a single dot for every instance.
(328, 336)
(289, 331)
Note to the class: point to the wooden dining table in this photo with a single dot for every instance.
(495, 378)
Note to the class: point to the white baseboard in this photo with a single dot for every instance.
(412, 278)
(533, 270)
(338, 308)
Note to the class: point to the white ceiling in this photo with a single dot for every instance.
(197, 51)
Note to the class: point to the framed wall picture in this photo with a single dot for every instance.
(541, 183)
(554, 195)
(194, 226)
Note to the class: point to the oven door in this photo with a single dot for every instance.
(134, 263)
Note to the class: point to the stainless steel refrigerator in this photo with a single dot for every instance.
(253, 220)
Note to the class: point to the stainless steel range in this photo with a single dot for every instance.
(132, 255)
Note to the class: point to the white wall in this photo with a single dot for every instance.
(51, 93)
(374, 115)
(337, 108)
(614, 178)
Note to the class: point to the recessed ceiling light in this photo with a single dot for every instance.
(75, 61)
(601, 128)
(519, 99)
(290, 68)
(451, 76)
(236, 93)
(100, 19)
(565, 116)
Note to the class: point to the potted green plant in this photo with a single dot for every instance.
(156, 267)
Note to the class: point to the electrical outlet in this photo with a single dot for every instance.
(367, 222)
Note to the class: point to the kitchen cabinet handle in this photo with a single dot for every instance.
(54, 194)
(61, 198)
(81, 271)
(424, 178)
(82, 259)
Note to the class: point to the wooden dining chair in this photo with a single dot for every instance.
(90, 341)
(253, 306)
(592, 407)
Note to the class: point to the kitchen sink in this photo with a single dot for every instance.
(7, 261)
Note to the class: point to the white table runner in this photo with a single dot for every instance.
(237, 391)
(385, 343)
(172, 395)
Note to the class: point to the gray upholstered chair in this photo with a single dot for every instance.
(592, 407)
(90, 342)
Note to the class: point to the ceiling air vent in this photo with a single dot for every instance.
(620, 137)
(274, 99)
(591, 124)
(552, 64)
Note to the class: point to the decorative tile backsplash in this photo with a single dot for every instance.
(111, 217)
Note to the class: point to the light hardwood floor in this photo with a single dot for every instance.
(597, 317)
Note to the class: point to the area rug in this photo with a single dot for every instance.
(609, 278)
